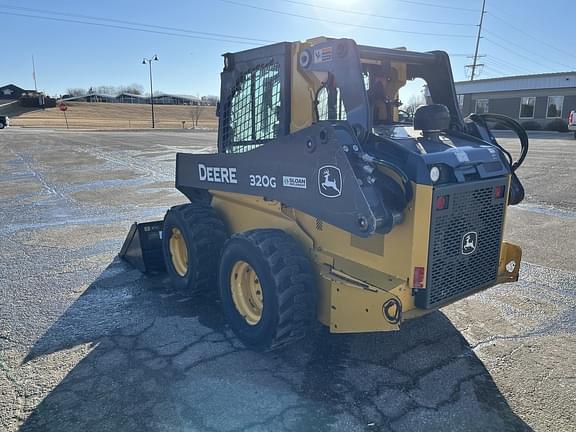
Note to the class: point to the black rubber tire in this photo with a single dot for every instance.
(2, 125)
(204, 233)
(288, 288)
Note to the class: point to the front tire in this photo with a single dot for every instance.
(267, 288)
(192, 241)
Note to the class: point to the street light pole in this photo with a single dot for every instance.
(149, 62)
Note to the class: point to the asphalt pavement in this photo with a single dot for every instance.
(88, 343)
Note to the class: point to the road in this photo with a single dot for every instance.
(88, 343)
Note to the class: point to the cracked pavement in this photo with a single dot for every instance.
(88, 343)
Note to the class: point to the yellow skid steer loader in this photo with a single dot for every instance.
(323, 203)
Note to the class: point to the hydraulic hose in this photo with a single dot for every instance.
(407, 186)
(515, 127)
(516, 194)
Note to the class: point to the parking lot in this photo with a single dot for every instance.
(88, 343)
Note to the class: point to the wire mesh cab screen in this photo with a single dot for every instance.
(255, 103)
(252, 114)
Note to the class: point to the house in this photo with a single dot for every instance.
(13, 92)
(538, 98)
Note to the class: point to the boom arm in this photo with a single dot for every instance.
(308, 170)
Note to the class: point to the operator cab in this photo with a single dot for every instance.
(435, 135)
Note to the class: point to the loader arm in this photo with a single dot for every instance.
(308, 170)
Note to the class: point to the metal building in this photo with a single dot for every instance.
(132, 98)
(541, 98)
(174, 99)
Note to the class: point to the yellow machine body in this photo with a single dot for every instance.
(364, 284)
(356, 276)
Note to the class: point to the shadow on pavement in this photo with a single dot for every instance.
(163, 361)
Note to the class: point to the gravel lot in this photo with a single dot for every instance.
(88, 343)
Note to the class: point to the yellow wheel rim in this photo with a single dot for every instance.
(246, 292)
(178, 252)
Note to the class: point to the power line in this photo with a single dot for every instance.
(340, 22)
(219, 36)
(123, 27)
(489, 75)
(372, 15)
(533, 53)
(496, 69)
(531, 59)
(509, 65)
(131, 23)
(436, 5)
(525, 33)
(494, 63)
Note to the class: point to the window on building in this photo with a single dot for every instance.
(481, 106)
(461, 102)
(527, 107)
(554, 108)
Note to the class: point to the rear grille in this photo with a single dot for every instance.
(473, 217)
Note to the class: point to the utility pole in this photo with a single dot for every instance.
(149, 61)
(474, 64)
(41, 101)
(34, 73)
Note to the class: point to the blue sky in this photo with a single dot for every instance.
(526, 39)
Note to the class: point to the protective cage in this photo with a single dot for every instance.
(255, 97)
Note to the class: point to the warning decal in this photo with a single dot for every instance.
(323, 55)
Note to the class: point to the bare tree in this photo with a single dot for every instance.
(105, 89)
(136, 89)
(76, 92)
(196, 114)
(414, 101)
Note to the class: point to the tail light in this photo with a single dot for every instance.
(442, 202)
(418, 281)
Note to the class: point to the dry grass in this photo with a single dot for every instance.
(83, 115)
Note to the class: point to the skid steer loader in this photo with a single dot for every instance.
(321, 204)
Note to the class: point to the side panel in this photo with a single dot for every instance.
(344, 304)
(243, 212)
(385, 261)
(395, 253)
(308, 170)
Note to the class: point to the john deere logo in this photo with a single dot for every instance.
(330, 181)
(469, 243)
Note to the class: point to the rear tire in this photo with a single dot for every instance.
(2, 125)
(192, 241)
(282, 306)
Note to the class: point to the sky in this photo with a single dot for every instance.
(92, 43)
